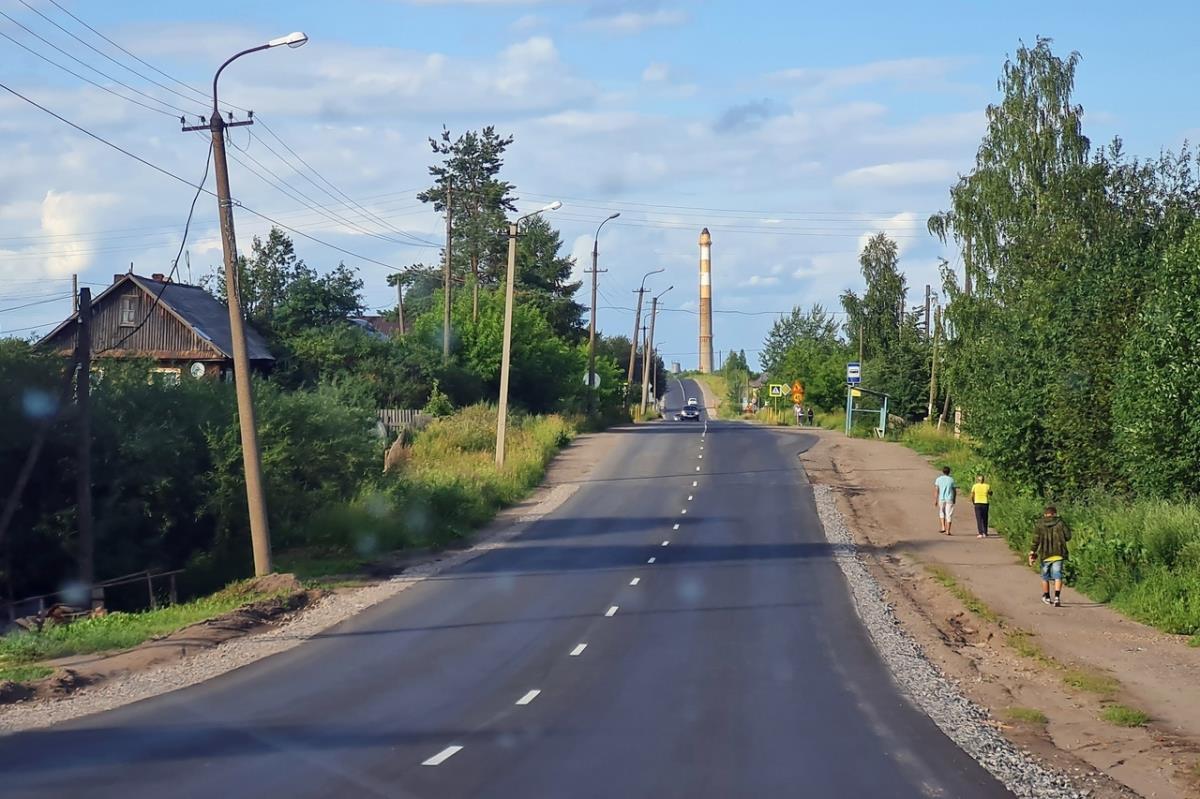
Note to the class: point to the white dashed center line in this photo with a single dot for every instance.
(442, 756)
(689, 497)
(529, 697)
(676, 527)
(694, 484)
(684, 511)
(578, 650)
(611, 611)
(701, 457)
(666, 543)
(697, 468)
(635, 581)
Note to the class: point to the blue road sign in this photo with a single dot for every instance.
(853, 373)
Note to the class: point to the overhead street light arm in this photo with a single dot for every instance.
(291, 40)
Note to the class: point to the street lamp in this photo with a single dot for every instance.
(260, 532)
(637, 323)
(502, 414)
(649, 349)
(591, 372)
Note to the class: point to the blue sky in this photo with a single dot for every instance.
(792, 130)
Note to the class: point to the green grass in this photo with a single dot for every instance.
(308, 565)
(1123, 716)
(1022, 642)
(24, 673)
(1194, 641)
(1091, 681)
(973, 603)
(114, 631)
(1029, 715)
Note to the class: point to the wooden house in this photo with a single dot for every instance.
(182, 328)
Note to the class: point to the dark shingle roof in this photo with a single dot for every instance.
(206, 315)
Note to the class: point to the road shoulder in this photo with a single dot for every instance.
(1046, 679)
(570, 468)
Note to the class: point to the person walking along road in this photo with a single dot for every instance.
(1050, 537)
(945, 493)
(981, 493)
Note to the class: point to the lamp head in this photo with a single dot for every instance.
(296, 39)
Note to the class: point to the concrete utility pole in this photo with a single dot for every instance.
(937, 324)
(591, 372)
(706, 334)
(645, 366)
(260, 531)
(647, 358)
(400, 305)
(506, 351)
(83, 442)
(637, 325)
(446, 272)
(927, 300)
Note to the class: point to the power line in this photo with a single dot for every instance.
(134, 57)
(39, 302)
(173, 176)
(88, 45)
(85, 79)
(30, 327)
(88, 66)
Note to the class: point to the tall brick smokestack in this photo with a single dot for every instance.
(706, 344)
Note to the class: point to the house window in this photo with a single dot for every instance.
(165, 375)
(129, 308)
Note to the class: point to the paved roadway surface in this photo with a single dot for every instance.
(604, 654)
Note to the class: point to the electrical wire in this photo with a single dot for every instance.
(86, 79)
(87, 65)
(203, 96)
(173, 176)
(96, 50)
(39, 302)
(175, 264)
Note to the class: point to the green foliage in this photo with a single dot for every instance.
(879, 313)
(439, 404)
(1029, 715)
(1158, 390)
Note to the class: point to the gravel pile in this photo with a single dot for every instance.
(963, 722)
(239, 652)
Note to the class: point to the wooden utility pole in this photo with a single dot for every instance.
(75, 293)
(83, 443)
(446, 271)
(256, 498)
(937, 324)
(506, 351)
(860, 343)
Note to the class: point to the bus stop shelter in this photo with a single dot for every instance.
(853, 393)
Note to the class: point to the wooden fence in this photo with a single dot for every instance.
(398, 419)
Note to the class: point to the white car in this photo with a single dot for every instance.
(692, 403)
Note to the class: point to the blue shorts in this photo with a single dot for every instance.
(1052, 570)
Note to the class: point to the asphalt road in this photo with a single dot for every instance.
(675, 629)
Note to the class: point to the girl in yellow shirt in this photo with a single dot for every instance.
(981, 493)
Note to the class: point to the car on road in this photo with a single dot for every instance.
(690, 414)
(692, 403)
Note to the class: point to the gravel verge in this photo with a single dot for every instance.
(964, 722)
(239, 652)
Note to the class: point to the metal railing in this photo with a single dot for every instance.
(36, 605)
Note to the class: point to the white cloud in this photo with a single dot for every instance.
(904, 173)
(907, 72)
(632, 22)
(656, 72)
(760, 280)
(526, 23)
(904, 228)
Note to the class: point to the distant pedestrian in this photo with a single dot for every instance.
(981, 493)
(810, 416)
(945, 494)
(1050, 537)
(799, 411)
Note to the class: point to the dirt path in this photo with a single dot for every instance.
(1024, 657)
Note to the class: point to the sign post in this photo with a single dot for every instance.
(853, 373)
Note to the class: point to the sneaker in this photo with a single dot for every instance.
(1046, 599)
(1057, 602)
